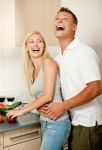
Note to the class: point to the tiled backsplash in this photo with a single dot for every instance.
(11, 81)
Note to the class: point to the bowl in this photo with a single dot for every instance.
(10, 99)
(2, 99)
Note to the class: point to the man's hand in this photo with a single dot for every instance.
(54, 110)
(43, 109)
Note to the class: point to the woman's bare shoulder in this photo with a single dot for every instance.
(50, 62)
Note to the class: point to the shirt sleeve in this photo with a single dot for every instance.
(88, 66)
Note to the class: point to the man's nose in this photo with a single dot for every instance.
(60, 20)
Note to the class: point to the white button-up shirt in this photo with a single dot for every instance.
(79, 66)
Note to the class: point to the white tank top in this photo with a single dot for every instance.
(37, 89)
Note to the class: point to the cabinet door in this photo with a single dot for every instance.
(35, 15)
(1, 141)
(29, 145)
(21, 135)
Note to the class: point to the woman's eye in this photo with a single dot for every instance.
(31, 41)
(40, 41)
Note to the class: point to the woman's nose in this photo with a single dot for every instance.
(35, 43)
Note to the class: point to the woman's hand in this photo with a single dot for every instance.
(14, 113)
(43, 110)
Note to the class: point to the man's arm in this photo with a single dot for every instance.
(55, 110)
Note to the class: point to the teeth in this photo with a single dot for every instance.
(59, 28)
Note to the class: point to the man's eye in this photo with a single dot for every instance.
(56, 19)
(65, 18)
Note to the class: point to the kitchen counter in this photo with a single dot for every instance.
(27, 120)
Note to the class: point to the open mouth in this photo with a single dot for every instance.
(35, 50)
(59, 28)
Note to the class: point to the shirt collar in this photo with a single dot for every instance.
(72, 44)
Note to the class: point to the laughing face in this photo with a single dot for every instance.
(35, 46)
(64, 25)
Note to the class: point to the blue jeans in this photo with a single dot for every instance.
(54, 133)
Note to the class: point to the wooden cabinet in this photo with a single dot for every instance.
(21, 139)
(19, 17)
(35, 15)
(29, 145)
(1, 141)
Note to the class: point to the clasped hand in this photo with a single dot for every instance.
(53, 110)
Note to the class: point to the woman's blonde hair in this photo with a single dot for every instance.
(28, 66)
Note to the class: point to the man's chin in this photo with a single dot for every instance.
(59, 36)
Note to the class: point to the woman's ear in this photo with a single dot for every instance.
(26, 48)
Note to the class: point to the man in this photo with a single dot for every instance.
(80, 83)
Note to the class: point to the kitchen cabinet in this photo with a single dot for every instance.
(1, 141)
(22, 135)
(37, 15)
(21, 139)
(19, 17)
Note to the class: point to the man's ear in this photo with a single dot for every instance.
(74, 27)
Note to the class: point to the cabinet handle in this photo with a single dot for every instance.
(24, 135)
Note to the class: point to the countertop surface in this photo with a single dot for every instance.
(26, 120)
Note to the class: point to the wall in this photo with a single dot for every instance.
(7, 23)
(11, 80)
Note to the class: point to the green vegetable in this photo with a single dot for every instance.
(10, 107)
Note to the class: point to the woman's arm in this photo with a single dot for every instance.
(50, 71)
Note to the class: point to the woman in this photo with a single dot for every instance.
(41, 74)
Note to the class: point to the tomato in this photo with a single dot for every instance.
(11, 120)
(2, 105)
(1, 119)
